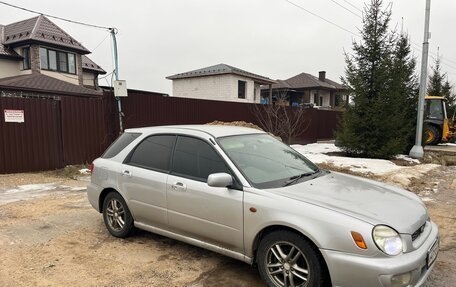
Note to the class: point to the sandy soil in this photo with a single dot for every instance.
(60, 240)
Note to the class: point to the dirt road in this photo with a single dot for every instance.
(57, 239)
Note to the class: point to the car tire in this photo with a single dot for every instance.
(284, 257)
(117, 216)
(432, 135)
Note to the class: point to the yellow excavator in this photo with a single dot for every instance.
(438, 127)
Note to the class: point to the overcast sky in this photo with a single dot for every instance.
(268, 37)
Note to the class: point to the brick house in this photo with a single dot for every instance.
(308, 89)
(36, 49)
(219, 82)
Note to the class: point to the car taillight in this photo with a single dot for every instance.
(91, 168)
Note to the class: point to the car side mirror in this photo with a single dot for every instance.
(219, 180)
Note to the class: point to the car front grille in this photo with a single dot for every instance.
(418, 232)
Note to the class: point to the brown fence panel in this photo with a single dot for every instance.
(143, 109)
(150, 109)
(71, 130)
(327, 123)
(84, 129)
(34, 144)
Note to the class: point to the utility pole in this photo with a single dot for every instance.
(116, 73)
(417, 150)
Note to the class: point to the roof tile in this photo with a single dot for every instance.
(304, 80)
(37, 82)
(88, 64)
(43, 30)
(220, 69)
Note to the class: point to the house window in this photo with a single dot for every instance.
(321, 102)
(26, 61)
(44, 59)
(315, 99)
(241, 89)
(337, 100)
(63, 62)
(71, 64)
(52, 59)
(57, 61)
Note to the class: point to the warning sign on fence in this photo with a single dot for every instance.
(14, 116)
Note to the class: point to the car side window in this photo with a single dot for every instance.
(196, 159)
(153, 153)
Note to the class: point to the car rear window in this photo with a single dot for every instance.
(119, 144)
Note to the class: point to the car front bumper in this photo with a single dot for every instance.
(354, 270)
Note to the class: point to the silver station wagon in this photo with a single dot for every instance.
(242, 193)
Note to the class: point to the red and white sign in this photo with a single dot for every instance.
(14, 116)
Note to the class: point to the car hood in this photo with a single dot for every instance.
(367, 200)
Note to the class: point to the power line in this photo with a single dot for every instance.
(345, 8)
(354, 6)
(443, 61)
(99, 44)
(55, 17)
(434, 56)
(320, 17)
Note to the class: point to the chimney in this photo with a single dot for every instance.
(322, 76)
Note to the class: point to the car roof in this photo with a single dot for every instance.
(216, 131)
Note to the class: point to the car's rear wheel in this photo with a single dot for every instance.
(286, 258)
(116, 215)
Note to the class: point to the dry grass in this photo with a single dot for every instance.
(346, 170)
(68, 172)
(235, 123)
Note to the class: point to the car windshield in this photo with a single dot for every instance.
(265, 161)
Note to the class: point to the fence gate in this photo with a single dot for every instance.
(30, 134)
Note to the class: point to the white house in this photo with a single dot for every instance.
(220, 82)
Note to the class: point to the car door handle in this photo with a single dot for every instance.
(126, 172)
(179, 186)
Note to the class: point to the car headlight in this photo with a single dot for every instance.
(387, 239)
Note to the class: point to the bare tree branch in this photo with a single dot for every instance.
(281, 120)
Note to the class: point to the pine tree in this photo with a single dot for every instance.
(435, 85)
(441, 87)
(371, 125)
(447, 92)
(404, 91)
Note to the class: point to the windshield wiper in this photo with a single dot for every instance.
(296, 178)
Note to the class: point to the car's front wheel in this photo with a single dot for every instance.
(116, 215)
(286, 258)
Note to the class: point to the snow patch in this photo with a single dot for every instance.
(315, 153)
(84, 171)
(317, 148)
(407, 158)
(32, 187)
(385, 169)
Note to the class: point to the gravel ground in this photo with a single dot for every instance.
(58, 239)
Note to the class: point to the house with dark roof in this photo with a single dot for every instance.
(38, 56)
(307, 89)
(219, 82)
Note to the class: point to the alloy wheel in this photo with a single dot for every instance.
(115, 213)
(287, 265)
